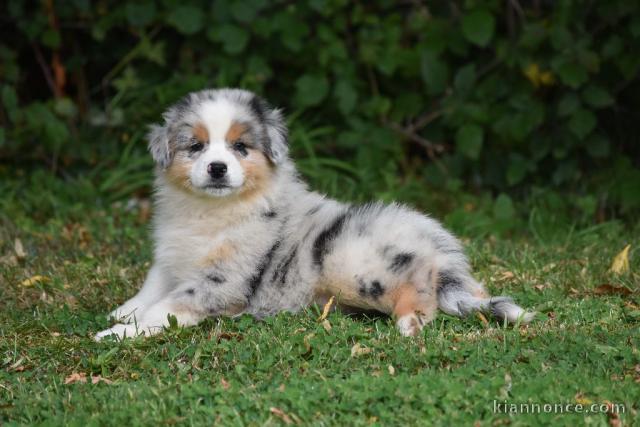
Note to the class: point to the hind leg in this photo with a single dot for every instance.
(413, 308)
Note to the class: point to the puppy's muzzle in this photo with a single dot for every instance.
(217, 170)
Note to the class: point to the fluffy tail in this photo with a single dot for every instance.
(461, 295)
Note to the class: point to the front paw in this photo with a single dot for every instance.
(120, 331)
(126, 313)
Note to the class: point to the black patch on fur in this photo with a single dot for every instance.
(375, 290)
(259, 107)
(401, 261)
(269, 214)
(282, 270)
(215, 278)
(448, 281)
(322, 244)
(256, 279)
(190, 291)
(362, 289)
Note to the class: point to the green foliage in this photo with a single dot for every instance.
(499, 96)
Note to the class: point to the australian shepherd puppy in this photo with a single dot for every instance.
(236, 231)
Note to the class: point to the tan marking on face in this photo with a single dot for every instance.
(222, 252)
(236, 130)
(201, 133)
(178, 173)
(257, 174)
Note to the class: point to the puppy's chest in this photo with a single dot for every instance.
(189, 248)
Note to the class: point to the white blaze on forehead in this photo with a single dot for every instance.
(218, 116)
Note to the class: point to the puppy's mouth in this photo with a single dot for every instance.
(217, 185)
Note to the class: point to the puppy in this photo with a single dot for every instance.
(236, 231)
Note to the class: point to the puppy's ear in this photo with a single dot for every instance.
(277, 145)
(159, 145)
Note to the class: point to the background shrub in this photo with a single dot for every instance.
(511, 98)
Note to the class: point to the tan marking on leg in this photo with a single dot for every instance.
(236, 130)
(413, 309)
(480, 293)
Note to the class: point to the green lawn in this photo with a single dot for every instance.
(583, 347)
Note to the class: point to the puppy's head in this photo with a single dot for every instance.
(219, 143)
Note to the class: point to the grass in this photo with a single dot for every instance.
(583, 347)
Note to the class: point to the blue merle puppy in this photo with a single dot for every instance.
(236, 231)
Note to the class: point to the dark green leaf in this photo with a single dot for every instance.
(435, 72)
(469, 139)
(234, 38)
(572, 74)
(478, 27)
(582, 122)
(346, 95)
(503, 208)
(187, 19)
(140, 14)
(311, 90)
(597, 97)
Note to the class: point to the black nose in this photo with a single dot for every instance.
(217, 170)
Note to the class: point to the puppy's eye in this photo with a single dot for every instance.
(240, 147)
(196, 146)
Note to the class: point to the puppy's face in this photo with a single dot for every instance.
(219, 143)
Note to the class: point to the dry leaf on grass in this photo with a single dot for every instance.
(620, 262)
(82, 378)
(225, 384)
(326, 325)
(326, 309)
(19, 249)
(281, 414)
(506, 275)
(391, 369)
(482, 318)
(33, 280)
(358, 350)
(607, 289)
(76, 378)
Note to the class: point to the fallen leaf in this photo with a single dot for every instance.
(620, 262)
(326, 325)
(98, 378)
(581, 399)
(10, 259)
(19, 249)
(281, 414)
(391, 369)
(325, 310)
(482, 318)
(225, 384)
(358, 350)
(76, 378)
(539, 287)
(506, 275)
(34, 280)
(607, 289)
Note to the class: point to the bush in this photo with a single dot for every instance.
(495, 95)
